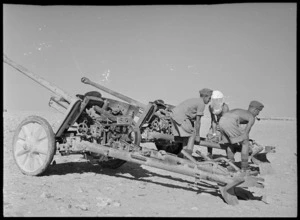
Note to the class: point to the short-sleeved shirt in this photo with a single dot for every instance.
(189, 108)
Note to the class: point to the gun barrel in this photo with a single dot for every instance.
(57, 106)
(120, 96)
(60, 103)
(38, 79)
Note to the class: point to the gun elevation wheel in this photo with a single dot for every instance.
(133, 137)
(33, 145)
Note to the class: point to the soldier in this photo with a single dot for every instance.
(186, 119)
(230, 127)
(217, 108)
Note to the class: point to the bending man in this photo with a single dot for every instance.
(230, 127)
(187, 119)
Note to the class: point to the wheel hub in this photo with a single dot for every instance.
(29, 144)
(26, 147)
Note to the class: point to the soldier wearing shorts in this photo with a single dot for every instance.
(230, 126)
(186, 119)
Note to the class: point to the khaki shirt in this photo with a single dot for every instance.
(189, 108)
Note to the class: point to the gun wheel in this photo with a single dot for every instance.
(33, 145)
(173, 148)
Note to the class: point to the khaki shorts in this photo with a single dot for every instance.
(186, 129)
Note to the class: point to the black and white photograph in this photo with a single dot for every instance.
(150, 110)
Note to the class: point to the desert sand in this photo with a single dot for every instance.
(74, 187)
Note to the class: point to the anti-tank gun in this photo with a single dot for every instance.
(152, 120)
(111, 132)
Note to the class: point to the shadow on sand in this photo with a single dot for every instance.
(138, 173)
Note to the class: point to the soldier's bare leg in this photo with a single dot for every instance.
(230, 153)
(209, 152)
(245, 155)
(190, 144)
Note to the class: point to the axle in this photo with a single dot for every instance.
(157, 135)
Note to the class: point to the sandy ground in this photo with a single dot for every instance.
(74, 187)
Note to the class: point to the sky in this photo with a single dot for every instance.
(247, 51)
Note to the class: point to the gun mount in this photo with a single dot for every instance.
(110, 133)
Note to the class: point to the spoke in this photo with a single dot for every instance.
(41, 139)
(40, 151)
(30, 162)
(28, 128)
(25, 159)
(43, 157)
(22, 133)
(38, 131)
(26, 162)
(22, 152)
(25, 131)
(35, 162)
(31, 128)
(39, 159)
(20, 143)
(42, 146)
(42, 142)
(21, 139)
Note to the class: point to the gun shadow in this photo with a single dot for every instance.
(252, 166)
(135, 171)
(138, 173)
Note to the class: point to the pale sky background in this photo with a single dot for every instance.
(247, 51)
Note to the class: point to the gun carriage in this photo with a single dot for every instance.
(111, 133)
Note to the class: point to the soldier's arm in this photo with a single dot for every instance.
(249, 125)
(199, 114)
(225, 108)
(197, 128)
(213, 121)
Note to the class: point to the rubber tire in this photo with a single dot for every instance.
(173, 148)
(51, 143)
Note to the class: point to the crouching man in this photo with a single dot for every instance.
(230, 127)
